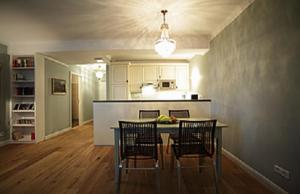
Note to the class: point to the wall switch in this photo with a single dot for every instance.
(281, 171)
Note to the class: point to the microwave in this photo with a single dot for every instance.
(167, 84)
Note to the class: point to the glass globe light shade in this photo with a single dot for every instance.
(165, 47)
(99, 74)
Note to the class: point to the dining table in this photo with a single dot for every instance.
(170, 128)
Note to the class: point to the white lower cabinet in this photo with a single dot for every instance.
(118, 81)
(119, 92)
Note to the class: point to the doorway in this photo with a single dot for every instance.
(75, 80)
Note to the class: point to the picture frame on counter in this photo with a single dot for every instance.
(58, 86)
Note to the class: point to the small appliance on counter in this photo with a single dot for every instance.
(194, 96)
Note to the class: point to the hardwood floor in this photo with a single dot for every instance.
(70, 163)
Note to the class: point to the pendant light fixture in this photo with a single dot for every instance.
(164, 46)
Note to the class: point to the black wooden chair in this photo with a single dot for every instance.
(178, 114)
(153, 114)
(149, 114)
(138, 141)
(195, 140)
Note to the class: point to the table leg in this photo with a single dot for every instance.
(117, 159)
(219, 152)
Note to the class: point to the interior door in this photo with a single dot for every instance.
(75, 100)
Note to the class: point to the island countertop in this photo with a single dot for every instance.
(184, 100)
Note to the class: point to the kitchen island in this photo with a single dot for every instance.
(108, 113)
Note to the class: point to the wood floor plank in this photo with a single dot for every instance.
(70, 164)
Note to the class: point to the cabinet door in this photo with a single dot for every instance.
(151, 73)
(119, 74)
(119, 92)
(168, 72)
(182, 78)
(135, 78)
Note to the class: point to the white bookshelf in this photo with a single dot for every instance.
(23, 117)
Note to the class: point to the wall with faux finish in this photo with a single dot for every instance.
(4, 93)
(252, 75)
(57, 107)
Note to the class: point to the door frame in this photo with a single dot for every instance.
(79, 99)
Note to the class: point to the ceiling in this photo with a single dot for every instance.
(65, 25)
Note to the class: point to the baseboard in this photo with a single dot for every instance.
(85, 122)
(66, 130)
(254, 173)
(57, 133)
(3, 143)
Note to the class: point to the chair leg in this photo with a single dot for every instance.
(178, 177)
(215, 177)
(127, 164)
(172, 160)
(168, 145)
(162, 155)
(157, 172)
(200, 162)
(119, 180)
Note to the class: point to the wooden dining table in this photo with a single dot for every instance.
(170, 128)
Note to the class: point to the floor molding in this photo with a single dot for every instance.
(85, 122)
(57, 133)
(254, 173)
(66, 130)
(3, 143)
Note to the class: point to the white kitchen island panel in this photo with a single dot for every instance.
(108, 113)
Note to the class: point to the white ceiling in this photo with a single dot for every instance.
(41, 22)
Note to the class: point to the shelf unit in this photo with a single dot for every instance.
(23, 117)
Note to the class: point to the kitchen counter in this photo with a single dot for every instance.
(184, 100)
(108, 113)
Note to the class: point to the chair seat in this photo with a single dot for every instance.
(147, 152)
(190, 149)
(175, 138)
(145, 140)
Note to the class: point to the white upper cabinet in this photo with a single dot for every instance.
(151, 73)
(135, 74)
(168, 72)
(119, 74)
(135, 78)
(182, 77)
(125, 78)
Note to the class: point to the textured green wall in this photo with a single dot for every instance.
(4, 93)
(252, 75)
